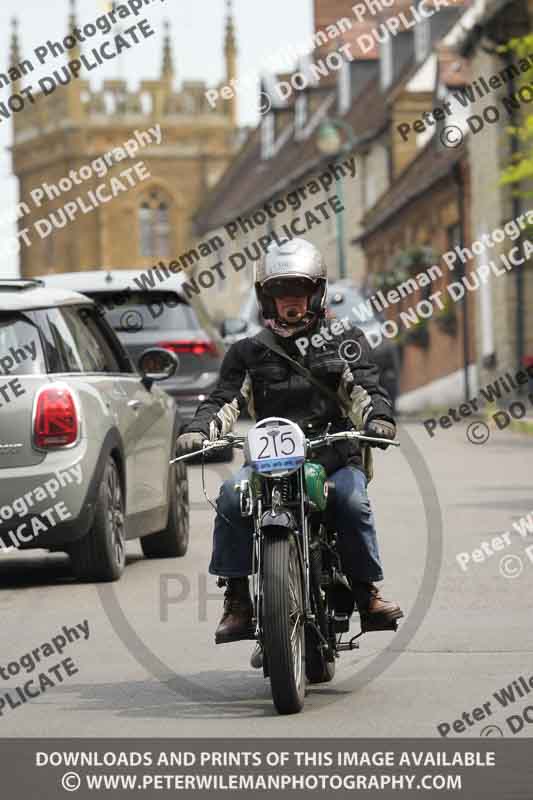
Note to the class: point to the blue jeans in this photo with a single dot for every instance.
(357, 541)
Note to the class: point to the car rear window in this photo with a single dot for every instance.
(21, 351)
(75, 341)
(135, 311)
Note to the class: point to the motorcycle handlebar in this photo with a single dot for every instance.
(231, 440)
(346, 435)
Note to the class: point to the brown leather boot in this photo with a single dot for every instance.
(236, 622)
(376, 613)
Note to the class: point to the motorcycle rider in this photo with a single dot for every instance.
(291, 286)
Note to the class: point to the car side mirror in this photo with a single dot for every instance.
(233, 326)
(157, 364)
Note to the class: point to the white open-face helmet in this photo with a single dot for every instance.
(293, 268)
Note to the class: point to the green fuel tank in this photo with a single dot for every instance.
(316, 484)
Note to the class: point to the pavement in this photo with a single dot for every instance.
(149, 666)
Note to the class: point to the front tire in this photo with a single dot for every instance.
(101, 554)
(283, 621)
(172, 541)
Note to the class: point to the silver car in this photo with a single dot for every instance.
(144, 312)
(85, 438)
(159, 315)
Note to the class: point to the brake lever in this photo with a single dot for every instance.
(364, 437)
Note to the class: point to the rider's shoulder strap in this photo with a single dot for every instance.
(267, 338)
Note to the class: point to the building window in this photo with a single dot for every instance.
(300, 113)
(154, 226)
(454, 236)
(385, 62)
(422, 40)
(345, 87)
(369, 183)
(268, 136)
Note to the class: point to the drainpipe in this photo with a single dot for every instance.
(516, 208)
(518, 269)
(459, 180)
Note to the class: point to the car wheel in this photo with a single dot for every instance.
(101, 554)
(173, 541)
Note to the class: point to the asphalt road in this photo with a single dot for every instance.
(150, 666)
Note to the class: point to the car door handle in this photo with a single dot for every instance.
(135, 404)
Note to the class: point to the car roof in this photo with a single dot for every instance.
(109, 280)
(118, 280)
(344, 285)
(27, 295)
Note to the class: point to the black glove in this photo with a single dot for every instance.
(189, 442)
(381, 428)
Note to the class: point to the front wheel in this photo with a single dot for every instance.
(283, 621)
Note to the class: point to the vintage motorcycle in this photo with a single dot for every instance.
(301, 598)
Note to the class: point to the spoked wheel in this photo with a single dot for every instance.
(283, 621)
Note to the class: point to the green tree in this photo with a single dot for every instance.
(521, 167)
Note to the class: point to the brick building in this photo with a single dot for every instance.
(504, 331)
(426, 208)
(443, 197)
(423, 213)
(282, 154)
(76, 124)
(405, 193)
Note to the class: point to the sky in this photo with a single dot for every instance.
(265, 32)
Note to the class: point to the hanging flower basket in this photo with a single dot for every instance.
(416, 259)
(446, 321)
(418, 335)
(389, 280)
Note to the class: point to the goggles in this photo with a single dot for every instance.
(289, 287)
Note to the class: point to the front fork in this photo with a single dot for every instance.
(257, 567)
(309, 616)
(257, 559)
(251, 506)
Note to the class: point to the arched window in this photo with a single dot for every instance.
(154, 225)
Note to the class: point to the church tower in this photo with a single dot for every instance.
(230, 51)
(186, 146)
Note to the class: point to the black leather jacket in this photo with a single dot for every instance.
(255, 377)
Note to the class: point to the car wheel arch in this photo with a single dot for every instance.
(112, 447)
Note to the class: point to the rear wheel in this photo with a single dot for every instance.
(283, 621)
(101, 554)
(173, 541)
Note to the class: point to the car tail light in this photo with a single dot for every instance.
(56, 418)
(202, 348)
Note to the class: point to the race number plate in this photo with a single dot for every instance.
(276, 445)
